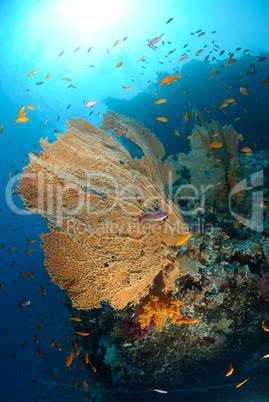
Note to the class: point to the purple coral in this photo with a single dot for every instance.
(136, 332)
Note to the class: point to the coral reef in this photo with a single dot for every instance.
(127, 278)
(91, 191)
(105, 256)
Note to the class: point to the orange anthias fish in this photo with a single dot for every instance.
(265, 327)
(188, 321)
(75, 348)
(41, 354)
(85, 384)
(93, 368)
(266, 81)
(32, 73)
(244, 91)
(199, 51)
(82, 333)
(27, 274)
(183, 58)
(75, 319)
(169, 79)
(216, 144)
(186, 117)
(153, 216)
(191, 137)
(164, 119)
(231, 61)
(42, 290)
(117, 42)
(154, 40)
(183, 239)
(21, 116)
(241, 383)
(119, 64)
(176, 132)
(69, 360)
(127, 88)
(246, 149)
(230, 372)
(160, 101)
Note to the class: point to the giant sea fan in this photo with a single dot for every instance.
(91, 191)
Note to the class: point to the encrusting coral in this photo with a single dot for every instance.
(218, 168)
(92, 191)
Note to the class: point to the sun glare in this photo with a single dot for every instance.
(93, 15)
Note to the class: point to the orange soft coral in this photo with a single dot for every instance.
(163, 306)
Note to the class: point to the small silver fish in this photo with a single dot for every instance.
(160, 391)
(24, 303)
(152, 216)
(199, 209)
(126, 345)
(90, 103)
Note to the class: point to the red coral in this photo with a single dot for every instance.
(136, 332)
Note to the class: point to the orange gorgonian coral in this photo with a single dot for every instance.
(91, 191)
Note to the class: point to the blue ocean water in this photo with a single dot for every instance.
(33, 36)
